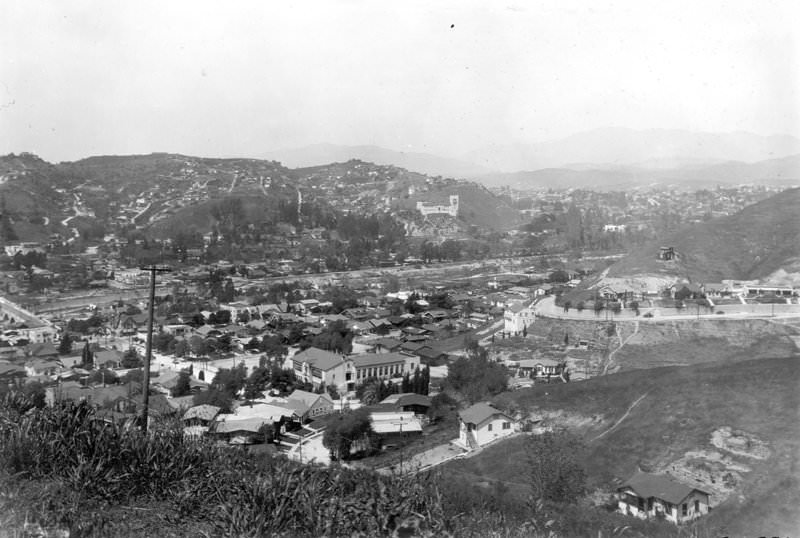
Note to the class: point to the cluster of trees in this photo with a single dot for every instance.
(224, 388)
(419, 383)
(474, 376)
(334, 337)
(84, 326)
(218, 285)
(131, 359)
(229, 383)
(270, 344)
(65, 344)
(28, 260)
(183, 385)
(349, 434)
(374, 390)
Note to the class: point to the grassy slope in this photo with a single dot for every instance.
(682, 408)
(692, 342)
(752, 243)
(480, 207)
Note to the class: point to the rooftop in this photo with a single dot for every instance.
(662, 487)
(479, 413)
(319, 358)
(378, 359)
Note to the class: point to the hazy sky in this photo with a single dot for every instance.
(80, 78)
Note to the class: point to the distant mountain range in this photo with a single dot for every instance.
(607, 158)
(781, 171)
(423, 163)
(626, 147)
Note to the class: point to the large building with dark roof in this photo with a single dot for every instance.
(317, 366)
(383, 365)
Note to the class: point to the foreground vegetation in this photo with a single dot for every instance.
(66, 472)
(677, 412)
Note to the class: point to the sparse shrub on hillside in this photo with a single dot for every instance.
(555, 474)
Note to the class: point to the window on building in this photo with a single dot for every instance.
(489, 428)
(696, 506)
(641, 503)
(685, 509)
(506, 425)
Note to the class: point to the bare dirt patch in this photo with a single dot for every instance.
(565, 419)
(719, 472)
(740, 443)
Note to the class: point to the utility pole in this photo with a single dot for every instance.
(153, 269)
(401, 447)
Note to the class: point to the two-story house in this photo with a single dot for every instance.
(317, 366)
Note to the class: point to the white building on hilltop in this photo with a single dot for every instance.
(431, 209)
(518, 317)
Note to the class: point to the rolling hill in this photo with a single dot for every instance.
(164, 192)
(33, 197)
(424, 163)
(755, 243)
(672, 419)
(781, 171)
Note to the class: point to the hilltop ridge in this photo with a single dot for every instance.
(162, 191)
(754, 243)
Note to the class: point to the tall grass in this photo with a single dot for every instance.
(67, 468)
(64, 469)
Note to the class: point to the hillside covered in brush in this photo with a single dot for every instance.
(754, 243)
(160, 192)
(727, 427)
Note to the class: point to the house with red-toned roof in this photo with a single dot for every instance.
(481, 424)
(646, 495)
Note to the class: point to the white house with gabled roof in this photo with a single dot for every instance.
(480, 424)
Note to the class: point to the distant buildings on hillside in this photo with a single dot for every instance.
(433, 209)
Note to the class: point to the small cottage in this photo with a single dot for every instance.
(481, 424)
(647, 495)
